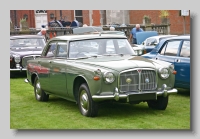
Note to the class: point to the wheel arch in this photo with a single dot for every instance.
(77, 83)
(33, 76)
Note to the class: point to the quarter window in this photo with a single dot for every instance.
(51, 49)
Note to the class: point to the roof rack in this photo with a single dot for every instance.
(88, 29)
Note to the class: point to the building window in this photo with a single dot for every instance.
(78, 15)
(40, 11)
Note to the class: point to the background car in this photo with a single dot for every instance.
(175, 50)
(151, 42)
(94, 68)
(24, 47)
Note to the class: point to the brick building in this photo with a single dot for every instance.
(36, 18)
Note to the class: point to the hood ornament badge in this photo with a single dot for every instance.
(128, 80)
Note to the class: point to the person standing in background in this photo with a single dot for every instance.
(133, 33)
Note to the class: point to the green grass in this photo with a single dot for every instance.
(57, 113)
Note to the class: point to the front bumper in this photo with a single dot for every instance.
(139, 96)
(21, 69)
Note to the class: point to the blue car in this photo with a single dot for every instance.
(175, 50)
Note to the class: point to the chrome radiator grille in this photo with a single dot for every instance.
(137, 80)
(26, 58)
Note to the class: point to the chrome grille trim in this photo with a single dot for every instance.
(138, 83)
(26, 58)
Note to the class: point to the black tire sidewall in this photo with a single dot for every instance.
(159, 104)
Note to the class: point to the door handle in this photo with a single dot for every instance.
(156, 58)
(177, 60)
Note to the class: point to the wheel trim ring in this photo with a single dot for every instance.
(84, 101)
(38, 90)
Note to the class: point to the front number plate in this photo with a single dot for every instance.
(147, 96)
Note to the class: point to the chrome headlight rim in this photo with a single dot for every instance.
(164, 73)
(109, 77)
(17, 58)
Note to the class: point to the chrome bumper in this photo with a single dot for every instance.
(116, 96)
(21, 69)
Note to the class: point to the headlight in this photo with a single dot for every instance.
(136, 52)
(17, 58)
(164, 73)
(109, 77)
(140, 52)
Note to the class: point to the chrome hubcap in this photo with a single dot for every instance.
(38, 89)
(84, 102)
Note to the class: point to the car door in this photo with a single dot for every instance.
(44, 66)
(57, 78)
(182, 63)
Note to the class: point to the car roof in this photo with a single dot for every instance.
(88, 36)
(161, 36)
(178, 37)
(25, 36)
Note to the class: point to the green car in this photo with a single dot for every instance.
(91, 69)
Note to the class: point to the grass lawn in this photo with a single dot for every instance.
(57, 113)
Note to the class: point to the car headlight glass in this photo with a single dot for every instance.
(17, 58)
(164, 73)
(109, 77)
(136, 52)
(140, 52)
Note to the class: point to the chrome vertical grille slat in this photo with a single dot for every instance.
(145, 80)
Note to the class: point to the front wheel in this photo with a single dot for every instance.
(86, 105)
(159, 104)
(40, 95)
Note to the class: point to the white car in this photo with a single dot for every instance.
(151, 42)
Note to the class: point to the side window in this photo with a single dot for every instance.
(171, 48)
(185, 50)
(62, 49)
(51, 50)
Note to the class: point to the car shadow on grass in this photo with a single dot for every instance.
(108, 109)
(184, 92)
(18, 74)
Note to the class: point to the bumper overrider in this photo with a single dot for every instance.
(132, 96)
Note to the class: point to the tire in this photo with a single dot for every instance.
(87, 106)
(159, 104)
(40, 95)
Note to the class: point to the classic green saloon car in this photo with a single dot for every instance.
(90, 69)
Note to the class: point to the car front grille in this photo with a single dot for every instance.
(137, 80)
(26, 58)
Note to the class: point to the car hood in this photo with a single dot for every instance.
(142, 36)
(120, 63)
(26, 51)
